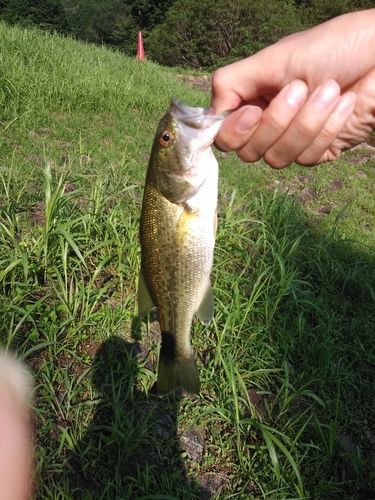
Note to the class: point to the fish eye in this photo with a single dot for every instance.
(166, 138)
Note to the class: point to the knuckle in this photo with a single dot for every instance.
(277, 124)
(248, 155)
(221, 146)
(277, 119)
(307, 129)
(314, 153)
(218, 80)
(274, 160)
(328, 132)
(308, 158)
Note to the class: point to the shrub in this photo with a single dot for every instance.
(204, 34)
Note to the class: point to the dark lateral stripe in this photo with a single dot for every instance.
(168, 347)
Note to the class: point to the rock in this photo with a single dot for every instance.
(209, 484)
(362, 174)
(311, 193)
(64, 160)
(37, 218)
(370, 436)
(33, 188)
(41, 205)
(140, 352)
(363, 147)
(357, 160)
(86, 159)
(307, 194)
(336, 184)
(347, 443)
(70, 188)
(33, 134)
(305, 179)
(164, 428)
(145, 158)
(256, 399)
(203, 82)
(39, 160)
(324, 210)
(192, 443)
(64, 144)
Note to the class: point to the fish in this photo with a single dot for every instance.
(177, 235)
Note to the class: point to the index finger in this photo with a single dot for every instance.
(244, 81)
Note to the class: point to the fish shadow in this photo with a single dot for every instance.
(131, 442)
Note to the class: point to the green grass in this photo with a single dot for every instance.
(287, 366)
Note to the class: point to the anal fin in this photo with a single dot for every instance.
(206, 309)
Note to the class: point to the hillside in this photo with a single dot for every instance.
(287, 366)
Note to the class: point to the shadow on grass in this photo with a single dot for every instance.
(130, 449)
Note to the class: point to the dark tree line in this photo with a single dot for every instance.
(191, 33)
(46, 14)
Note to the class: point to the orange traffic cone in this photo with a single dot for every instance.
(140, 50)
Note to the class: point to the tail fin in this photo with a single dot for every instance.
(178, 374)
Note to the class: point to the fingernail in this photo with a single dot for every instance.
(345, 103)
(296, 93)
(326, 94)
(248, 119)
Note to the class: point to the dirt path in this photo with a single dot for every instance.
(199, 82)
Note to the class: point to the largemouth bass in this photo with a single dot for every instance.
(177, 233)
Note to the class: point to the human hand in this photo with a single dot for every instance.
(15, 431)
(306, 98)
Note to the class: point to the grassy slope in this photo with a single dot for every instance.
(287, 367)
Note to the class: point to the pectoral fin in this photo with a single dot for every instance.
(145, 303)
(183, 228)
(206, 310)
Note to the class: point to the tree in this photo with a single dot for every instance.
(314, 12)
(142, 15)
(95, 20)
(15, 11)
(148, 13)
(209, 33)
(46, 14)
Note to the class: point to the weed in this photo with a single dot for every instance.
(287, 365)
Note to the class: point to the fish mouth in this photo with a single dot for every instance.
(196, 123)
(194, 117)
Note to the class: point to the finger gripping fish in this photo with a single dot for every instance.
(177, 233)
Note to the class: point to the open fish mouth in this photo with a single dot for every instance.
(196, 123)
